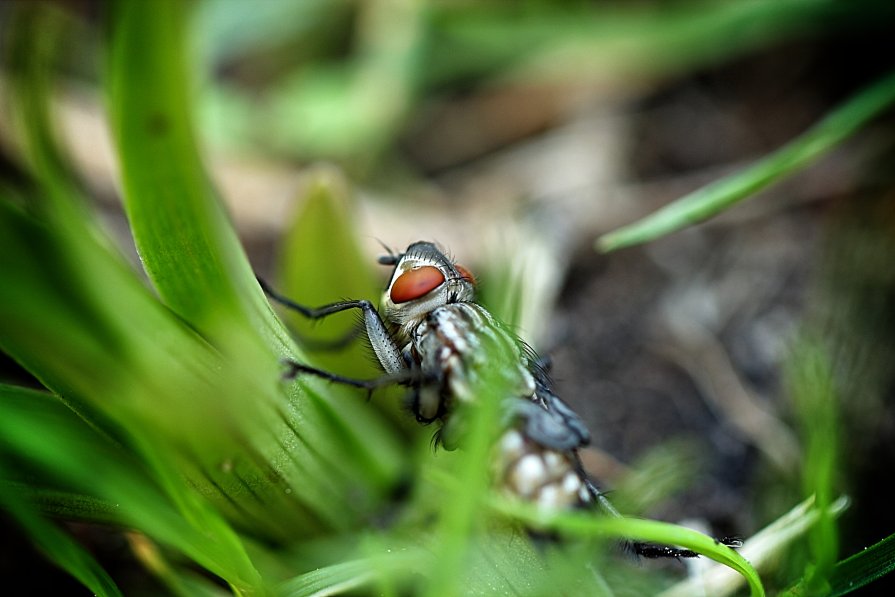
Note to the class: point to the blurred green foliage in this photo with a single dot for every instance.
(162, 408)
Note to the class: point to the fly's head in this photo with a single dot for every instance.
(424, 279)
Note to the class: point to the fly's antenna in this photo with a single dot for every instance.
(392, 258)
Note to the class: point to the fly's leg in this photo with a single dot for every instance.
(387, 352)
(405, 376)
(329, 345)
(644, 550)
(312, 344)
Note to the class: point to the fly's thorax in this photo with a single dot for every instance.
(466, 356)
(463, 345)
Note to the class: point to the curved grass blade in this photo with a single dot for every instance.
(194, 258)
(331, 580)
(762, 549)
(347, 576)
(649, 531)
(863, 567)
(319, 261)
(58, 546)
(185, 239)
(75, 316)
(792, 157)
(28, 418)
(812, 387)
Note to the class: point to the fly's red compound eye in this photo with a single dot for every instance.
(465, 274)
(415, 283)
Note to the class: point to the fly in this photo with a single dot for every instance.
(432, 337)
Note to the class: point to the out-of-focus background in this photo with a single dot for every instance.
(515, 134)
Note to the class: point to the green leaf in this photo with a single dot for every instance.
(812, 388)
(585, 524)
(194, 258)
(763, 550)
(320, 262)
(863, 567)
(58, 546)
(38, 428)
(792, 157)
(211, 428)
(330, 580)
(345, 576)
(184, 237)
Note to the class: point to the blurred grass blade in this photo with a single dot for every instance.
(28, 417)
(184, 237)
(617, 44)
(57, 545)
(320, 262)
(586, 524)
(330, 580)
(75, 316)
(195, 260)
(32, 58)
(792, 157)
(864, 567)
(461, 509)
(333, 111)
(763, 550)
(60, 503)
(812, 388)
(350, 575)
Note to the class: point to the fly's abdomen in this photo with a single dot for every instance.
(534, 458)
(534, 473)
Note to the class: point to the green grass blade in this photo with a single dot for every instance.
(669, 534)
(586, 524)
(812, 388)
(863, 568)
(580, 42)
(330, 580)
(763, 550)
(792, 157)
(194, 258)
(58, 546)
(185, 239)
(60, 503)
(28, 418)
(460, 508)
(191, 250)
(319, 262)
(352, 574)
(31, 60)
(74, 315)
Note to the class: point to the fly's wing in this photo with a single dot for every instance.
(550, 422)
(545, 418)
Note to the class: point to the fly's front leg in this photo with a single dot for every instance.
(387, 352)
